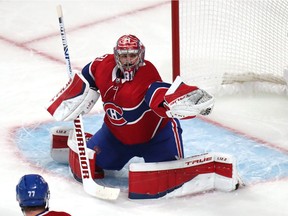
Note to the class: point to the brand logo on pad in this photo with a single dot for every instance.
(198, 161)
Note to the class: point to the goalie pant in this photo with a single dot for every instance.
(111, 148)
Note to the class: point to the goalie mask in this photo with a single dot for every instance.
(129, 55)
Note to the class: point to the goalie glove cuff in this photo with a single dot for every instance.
(183, 101)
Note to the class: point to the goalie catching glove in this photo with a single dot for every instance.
(183, 101)
(74, 99)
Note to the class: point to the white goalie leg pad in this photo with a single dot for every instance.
(59, 148)
(226, 174)
(183, 177)
(74, 99)
(185, 101)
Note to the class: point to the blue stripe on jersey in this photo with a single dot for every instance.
(88, 76)
(134, 114)
(153, 88)
(121, 116)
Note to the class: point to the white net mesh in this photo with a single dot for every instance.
(228, 41)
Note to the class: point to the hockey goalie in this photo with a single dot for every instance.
(142, 114)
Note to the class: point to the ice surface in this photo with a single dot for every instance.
(251, 127)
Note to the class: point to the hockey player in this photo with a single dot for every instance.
(32, 193)
(141, 111)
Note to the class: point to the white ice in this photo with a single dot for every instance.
(33, 69)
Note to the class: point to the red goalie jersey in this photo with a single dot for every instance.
(133, 110)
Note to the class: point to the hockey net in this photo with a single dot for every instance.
(231, 45)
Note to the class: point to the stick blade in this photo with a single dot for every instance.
(99, 191)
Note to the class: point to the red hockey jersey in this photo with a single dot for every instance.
(133, 110)
(54, 213)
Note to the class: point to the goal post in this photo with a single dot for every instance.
(216, 43)
(175, 39)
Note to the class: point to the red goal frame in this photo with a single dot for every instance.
(175, 39)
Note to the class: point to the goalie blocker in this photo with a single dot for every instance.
(74, 99)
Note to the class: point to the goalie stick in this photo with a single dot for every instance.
(89, 185)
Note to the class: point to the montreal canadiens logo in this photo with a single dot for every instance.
(115, 114)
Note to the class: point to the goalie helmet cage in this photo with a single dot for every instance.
(220, 42)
